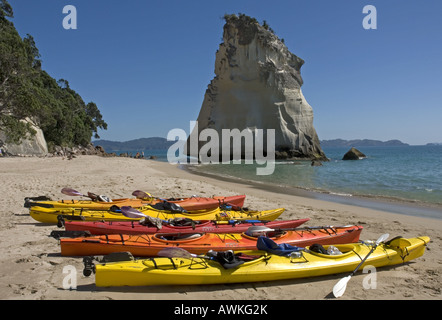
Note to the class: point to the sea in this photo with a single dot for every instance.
(400, 179)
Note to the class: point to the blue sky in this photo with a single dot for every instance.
(147, 64)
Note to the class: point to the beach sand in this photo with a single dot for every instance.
(31, 266)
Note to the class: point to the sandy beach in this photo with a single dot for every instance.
(31, 266)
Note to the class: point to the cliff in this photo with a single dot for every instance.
(257, 85)
(35, 145)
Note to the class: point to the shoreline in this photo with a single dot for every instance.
(390, 204)
(32, 267)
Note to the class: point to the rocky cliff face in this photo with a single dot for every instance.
(258, 86)
(35, 145)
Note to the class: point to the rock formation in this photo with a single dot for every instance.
(35, 145)
(354, 154)
(257, 85)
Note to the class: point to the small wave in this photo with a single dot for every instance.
(426, 189)
(341, 194)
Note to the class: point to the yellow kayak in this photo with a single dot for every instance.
(51, 215)
(258, 265)
(86, 204)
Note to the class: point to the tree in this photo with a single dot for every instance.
(5, 10)
(32, 52)
(96, 119)
(17, 97)
(265, 25)
(29, 93)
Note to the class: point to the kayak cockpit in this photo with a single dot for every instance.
(177, 237)
(344, 250)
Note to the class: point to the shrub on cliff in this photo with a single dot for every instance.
(28, 92)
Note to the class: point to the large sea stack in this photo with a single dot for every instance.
(257, 85)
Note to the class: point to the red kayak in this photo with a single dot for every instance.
(206, 226)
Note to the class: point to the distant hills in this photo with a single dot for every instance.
(361, 143)
(142, 144)
(157, 143)
(434, 144)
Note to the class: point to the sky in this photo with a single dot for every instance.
(147, 63)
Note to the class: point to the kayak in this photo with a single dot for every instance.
(85, 204)
(200, 203)
(189, 204)
(257, 266)
(208, 226)
(146, 245)
(53, 216)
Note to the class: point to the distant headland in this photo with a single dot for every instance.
(142, 144)
(158, 143)
(361, 143)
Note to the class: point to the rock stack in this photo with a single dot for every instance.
(257, 85)
(354, 154)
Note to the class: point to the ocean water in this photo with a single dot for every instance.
(411, 173)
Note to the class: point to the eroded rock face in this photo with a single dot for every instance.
(258, 86)
(35, 145)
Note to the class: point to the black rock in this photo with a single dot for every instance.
(354, 154)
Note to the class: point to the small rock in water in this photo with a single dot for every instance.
(316, 163)
(354, 154)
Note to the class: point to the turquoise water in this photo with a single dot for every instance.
(412, 173)
(408, 172)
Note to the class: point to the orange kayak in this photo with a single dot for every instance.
(202, 203)
(199, 243)
(189, 204)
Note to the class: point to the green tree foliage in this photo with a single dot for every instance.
(5, 10)
(28, 92)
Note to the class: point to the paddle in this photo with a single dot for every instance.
(73, 193)
(339, 288)
(142, 195)
(175, 252)
(266, 229)
(135, 214)
(132, 213)
(252, 231)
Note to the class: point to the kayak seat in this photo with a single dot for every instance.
(398, 242)
(345, 250)
(229, 260)
(267, 244)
